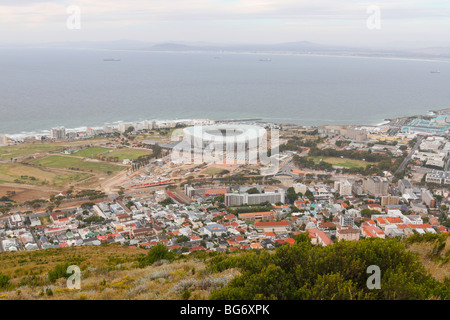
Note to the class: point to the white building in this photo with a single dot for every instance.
(300, 188)
(233, 199)
(344, 187)
(58, 133)
(123, 126)
(3, 140)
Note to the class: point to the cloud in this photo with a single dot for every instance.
(189, 14)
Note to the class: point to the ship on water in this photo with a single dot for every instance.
(435, 71)
(111, 59)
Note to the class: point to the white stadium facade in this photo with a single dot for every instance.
(221, 143)
(225, 137)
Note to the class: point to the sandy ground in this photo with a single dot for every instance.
(26, 192)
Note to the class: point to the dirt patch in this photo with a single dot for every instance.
(25, 193)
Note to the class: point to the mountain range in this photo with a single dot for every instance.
(298, 47)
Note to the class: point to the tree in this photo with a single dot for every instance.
(338, 271)
(253, 191)
(5, 209)
(158, 252)
(4, 280)
(309, 195)
(129, 130)
(291, 195)
(167, 201)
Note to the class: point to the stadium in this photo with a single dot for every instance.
(224, 137)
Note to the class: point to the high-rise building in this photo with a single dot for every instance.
(428, 199)
(107, 128)
(357, 135)
(3, 140)
(376, 186)
(58, 133)
(388, 200)
(404, 186)
(122, 127)
(90, 132)
(344, 187)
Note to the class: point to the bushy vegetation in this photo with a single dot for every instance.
(304, 271)
(438, 240)
(4, 280)
(157, 253)
(60, 270)
(167, 201)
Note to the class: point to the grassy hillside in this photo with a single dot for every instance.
(410, 270)
(108, 272)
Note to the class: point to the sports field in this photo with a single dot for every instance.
(341, 162)
(91, 152)
(127, 153)
(23, 174)
(9, 152)
(72, 163)
(25, 149)
(214, 171)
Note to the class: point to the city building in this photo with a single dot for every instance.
(58, 133)
(319, 237)
(257, 216)
(357, 135)
(428, 198)
(3, 140)
(439, 126)
(214, 229)
(238, 199)
(404, 186)
(376, 186)
(389, 200)
(344, 187)
(439, 177)
(107, 128)
(273, 226)
(347, 233)
(15, 221)
(123, 126)
(347, 220)
(300, 188)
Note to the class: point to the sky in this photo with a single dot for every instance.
(377, 23)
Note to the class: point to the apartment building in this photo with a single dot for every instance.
(376, 186)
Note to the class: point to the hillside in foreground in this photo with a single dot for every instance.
(416, 268)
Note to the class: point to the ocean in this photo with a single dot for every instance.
(43, 88)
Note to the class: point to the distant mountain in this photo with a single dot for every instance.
(300, 47)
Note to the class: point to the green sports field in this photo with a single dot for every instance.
(72, 163)
(91, 152)
(127, 153)
(341, 162)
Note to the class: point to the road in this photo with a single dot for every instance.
(286, 170)
(409, 156)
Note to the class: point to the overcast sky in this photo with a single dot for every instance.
(402, 23)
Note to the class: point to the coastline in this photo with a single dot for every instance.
(46, 132)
